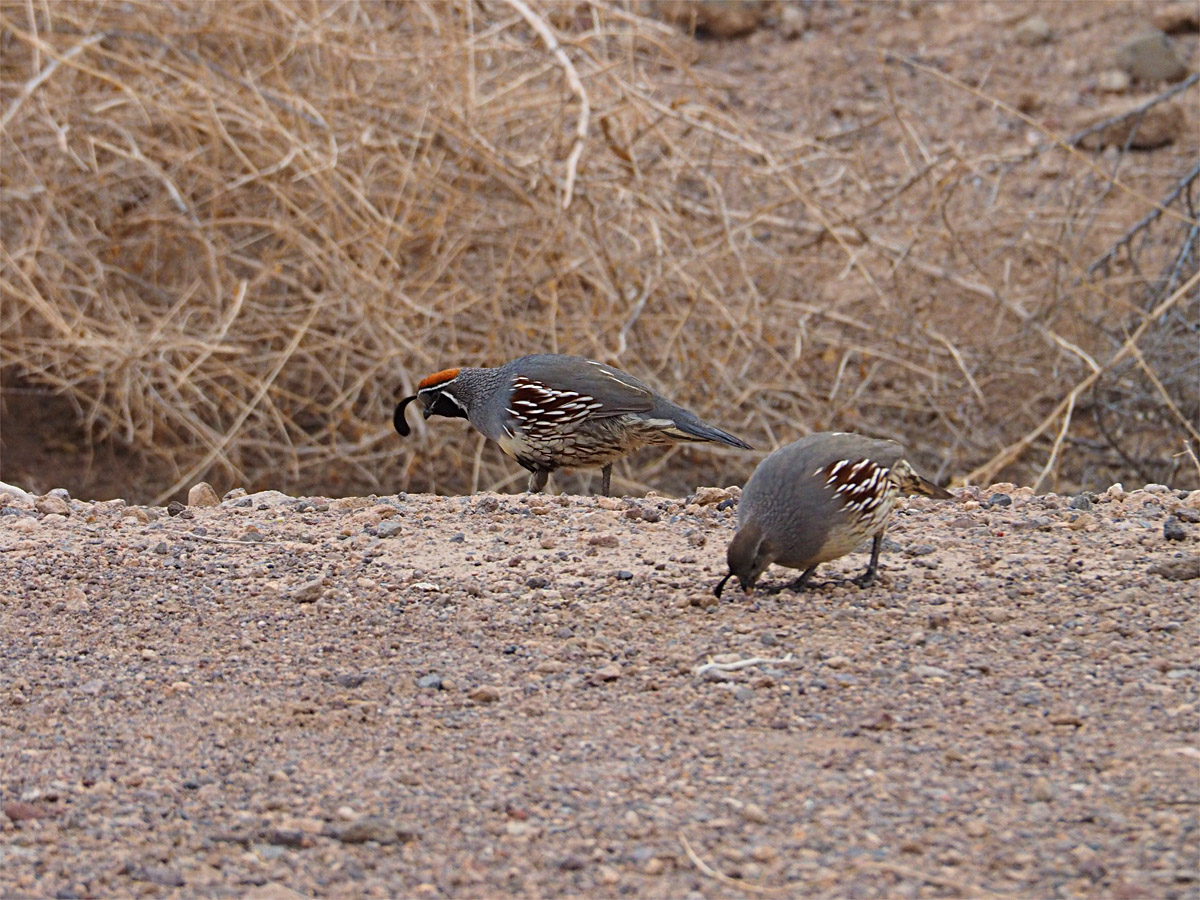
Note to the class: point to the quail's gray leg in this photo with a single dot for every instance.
(538, 479)
(802, 582)
(606, 480)
(867, 578)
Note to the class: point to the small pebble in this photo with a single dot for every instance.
(202, 494)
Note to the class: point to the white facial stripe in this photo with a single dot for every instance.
(442, 392)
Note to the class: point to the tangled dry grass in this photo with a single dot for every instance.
(234, 234)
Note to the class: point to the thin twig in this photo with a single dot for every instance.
(538, 24)
(708, 870)
(742, 664)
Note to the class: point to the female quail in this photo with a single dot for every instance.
(817, 499)
(549, 410)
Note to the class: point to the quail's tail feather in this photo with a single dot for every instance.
(701, 431)
(912, 483)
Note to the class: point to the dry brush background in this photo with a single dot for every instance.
(235, 234)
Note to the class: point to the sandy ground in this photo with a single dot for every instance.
(506, 696)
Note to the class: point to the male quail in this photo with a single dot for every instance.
(549, 410)
(817, 499)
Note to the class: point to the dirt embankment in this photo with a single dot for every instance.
(509, 696)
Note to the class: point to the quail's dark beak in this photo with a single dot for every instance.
(398, 421)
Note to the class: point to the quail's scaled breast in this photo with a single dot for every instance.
(548, 411)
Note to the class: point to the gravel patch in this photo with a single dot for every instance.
(533, 696)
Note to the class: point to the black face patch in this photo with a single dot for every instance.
(441, 403)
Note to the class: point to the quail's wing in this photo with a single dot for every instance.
(575, 384)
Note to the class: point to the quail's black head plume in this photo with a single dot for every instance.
(816, 500)
(548, 411)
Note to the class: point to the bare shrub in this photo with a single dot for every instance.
(234, 234)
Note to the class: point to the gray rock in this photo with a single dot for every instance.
(1080, 501)
(1151, 56)
(309, 592)
(1174, 530)
(430, 682)
(388, 528)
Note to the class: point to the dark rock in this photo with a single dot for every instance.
(388, 528)
(1173, 529)
(287, 837)
(999, 500)
(537, 581)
